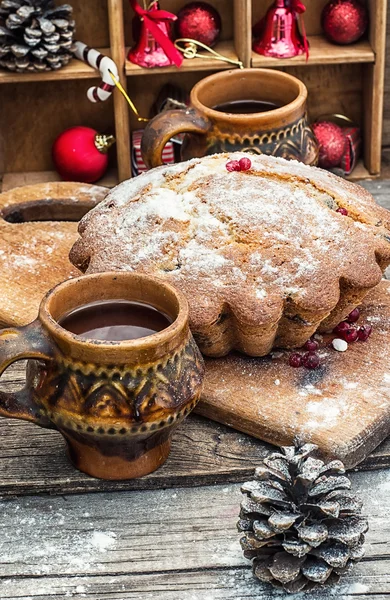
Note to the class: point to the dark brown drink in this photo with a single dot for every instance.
(115, 320)
(245, 107)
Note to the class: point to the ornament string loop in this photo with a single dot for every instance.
(151, 20)
(189, 50)
(130, 102)
(300, 8)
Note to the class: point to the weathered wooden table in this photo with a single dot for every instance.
(169, 536)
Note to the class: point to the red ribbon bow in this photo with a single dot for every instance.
(151, 19)
(299, 8)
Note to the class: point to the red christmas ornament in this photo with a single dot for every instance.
(344, 21)
(153, 35)
(199, 21)
(277, 34)
(80, 154)
(332, 143)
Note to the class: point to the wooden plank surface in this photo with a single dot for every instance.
(76, 69)
(177, 544)
(32, 460)
(321, 52)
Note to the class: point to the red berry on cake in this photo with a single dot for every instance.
(233, 165)
(342, 211)
(341, 327)
(349, 335)
(295, 360)
(353, 316)
(311, 345)
(245, 163)
(364, 332)
(311, 360)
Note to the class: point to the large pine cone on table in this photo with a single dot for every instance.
(35, 35)
(301, 525)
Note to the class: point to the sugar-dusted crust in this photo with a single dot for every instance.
(262, 256)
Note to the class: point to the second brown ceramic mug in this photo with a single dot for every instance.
(283, 132)
(115, 403)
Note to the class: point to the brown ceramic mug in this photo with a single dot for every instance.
(115, 403)
(284, 131)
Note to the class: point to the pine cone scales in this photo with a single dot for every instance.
(301, 525)
(35, 35)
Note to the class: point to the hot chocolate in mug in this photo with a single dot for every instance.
(115, 400)
(253, 110)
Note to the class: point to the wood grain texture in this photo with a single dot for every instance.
(163, 545)
(121, 108)
(322, 52)
(35, 238)
(373, 88)
(243, 23)
(343, 406)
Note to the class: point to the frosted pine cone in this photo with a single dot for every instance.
(301, 525)
(35, 35)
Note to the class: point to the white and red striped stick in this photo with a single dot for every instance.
(102, 63)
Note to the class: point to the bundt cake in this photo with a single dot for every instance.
(266, 254)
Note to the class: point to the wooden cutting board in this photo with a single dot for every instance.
(343, 406)
(38, 225)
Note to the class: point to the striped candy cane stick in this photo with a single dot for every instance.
(104, 64)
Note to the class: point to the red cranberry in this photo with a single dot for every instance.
(342, 211)
(233, 165)
(295, 360)
(349, 335)
(245, 163)
(364, 332)
(310, 360)
(341, 327)
(311, 345)
(353, 316)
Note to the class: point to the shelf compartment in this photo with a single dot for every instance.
(209, 63)
(14, 180)
(76, 69)
(321, 52)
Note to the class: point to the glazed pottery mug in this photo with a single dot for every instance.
(282, 131)
(115, 402)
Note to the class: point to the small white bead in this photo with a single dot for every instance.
(277, 381)
(339, 345)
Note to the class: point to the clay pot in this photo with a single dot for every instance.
(283, 131)
(115, 403)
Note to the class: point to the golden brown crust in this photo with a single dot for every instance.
(263, 256)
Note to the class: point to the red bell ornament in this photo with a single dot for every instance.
(153, 34)
(278, 34)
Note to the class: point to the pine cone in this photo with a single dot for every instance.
(301, 525)
(35, 35)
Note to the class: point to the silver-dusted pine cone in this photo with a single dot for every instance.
(301, 525)
(35, 35)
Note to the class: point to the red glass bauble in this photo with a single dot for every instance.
(344, 21)
(199, 21)
(332, 143)
(76, 156)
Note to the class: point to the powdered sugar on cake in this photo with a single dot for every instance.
(196, 219)
(270, 234)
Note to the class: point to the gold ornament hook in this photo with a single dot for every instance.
(130, 102)
(190, 50)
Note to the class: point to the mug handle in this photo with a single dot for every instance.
(166, 125)
(18, 343)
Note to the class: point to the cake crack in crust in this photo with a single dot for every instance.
(262, 255)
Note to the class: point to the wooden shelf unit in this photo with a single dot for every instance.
(36, 107)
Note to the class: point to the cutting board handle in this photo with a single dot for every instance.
(19, 343)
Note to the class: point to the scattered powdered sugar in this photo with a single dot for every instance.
(272, 234)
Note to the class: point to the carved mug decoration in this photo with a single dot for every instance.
(256, 110)
(115, 403)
